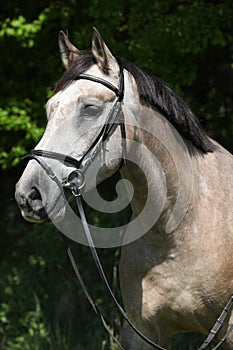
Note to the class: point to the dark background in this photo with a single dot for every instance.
(189, 44)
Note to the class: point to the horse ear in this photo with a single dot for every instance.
(104, 58)
(69, 53)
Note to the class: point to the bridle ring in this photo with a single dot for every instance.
(74, 180)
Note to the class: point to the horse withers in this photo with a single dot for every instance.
(175, 271)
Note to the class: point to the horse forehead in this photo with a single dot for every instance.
(83, 89)
(79, 90)
(112, 78)
(96, 90)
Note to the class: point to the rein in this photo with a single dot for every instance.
(76, 181)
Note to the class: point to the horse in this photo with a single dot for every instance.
(175, 267)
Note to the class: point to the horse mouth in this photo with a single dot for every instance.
(53, 213)
(35, 210)
(34, 217)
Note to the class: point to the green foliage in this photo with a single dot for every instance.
(16, 121)
(41, 306)
(189, 44)
(25, 32)
(34, 333)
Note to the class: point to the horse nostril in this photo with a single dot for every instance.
(35, 194)
(31, 205)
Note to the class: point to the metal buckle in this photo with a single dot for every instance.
(75, 181)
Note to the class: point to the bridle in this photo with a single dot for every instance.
(114, 119)
(75, 181)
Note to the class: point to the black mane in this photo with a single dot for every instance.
(152, 93)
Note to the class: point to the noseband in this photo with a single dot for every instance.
(75, 181)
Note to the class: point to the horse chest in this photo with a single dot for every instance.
(148, 283)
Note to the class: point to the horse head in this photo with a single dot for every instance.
(84, 122)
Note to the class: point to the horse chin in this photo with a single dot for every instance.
(52, 214)
(33, 217)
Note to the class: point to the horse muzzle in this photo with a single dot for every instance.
(31, 205)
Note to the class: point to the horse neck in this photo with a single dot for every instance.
(161, 164)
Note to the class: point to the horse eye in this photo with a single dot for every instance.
(91, 110)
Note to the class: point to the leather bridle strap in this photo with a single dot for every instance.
(102, 82)
(86, 292)
(54, 155)
(103, 276)
(218, 324)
